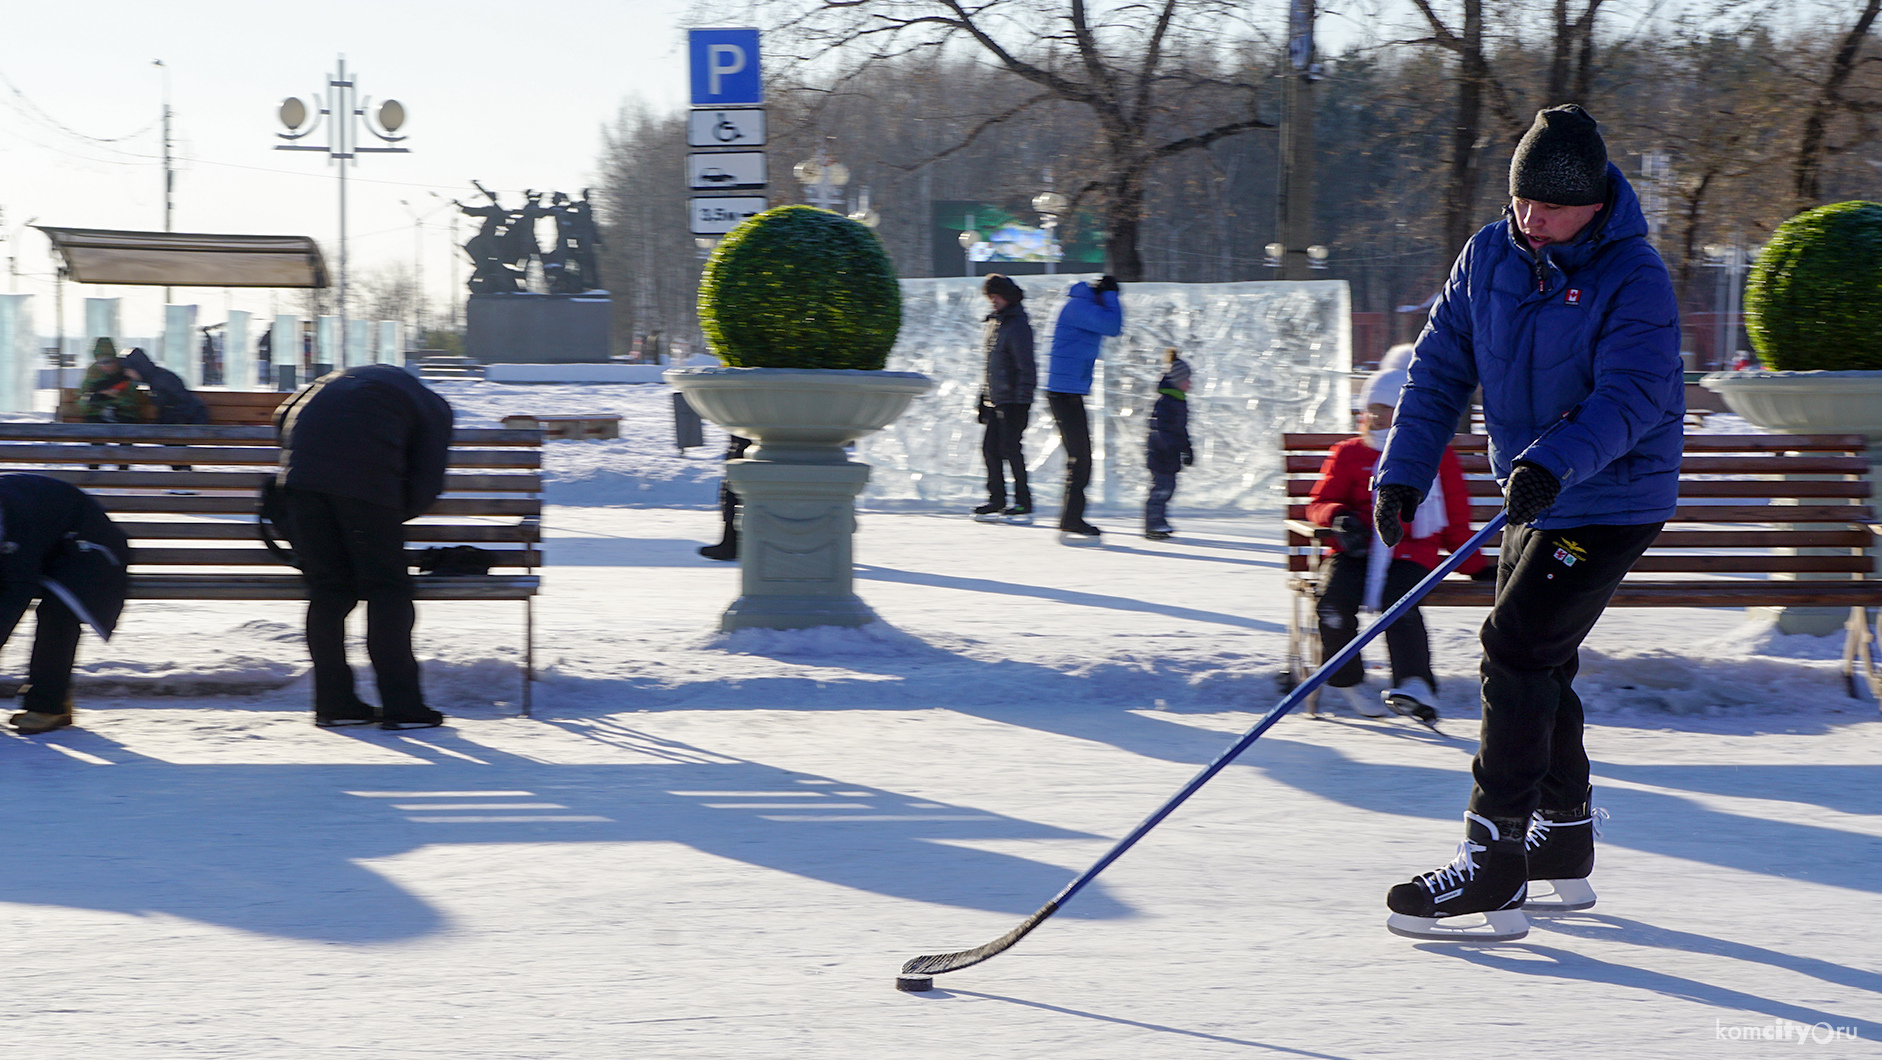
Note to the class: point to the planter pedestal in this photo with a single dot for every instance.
(797, 487)
(1811, 403)
(794, 545)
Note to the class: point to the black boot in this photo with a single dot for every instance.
(727, 548)
(1489, 876)
(1560, 845)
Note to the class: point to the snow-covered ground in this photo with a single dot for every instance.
(711, 846)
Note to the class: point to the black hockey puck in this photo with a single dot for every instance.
(914, 984)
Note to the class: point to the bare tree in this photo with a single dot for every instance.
(1121, 62)
(1806, 173)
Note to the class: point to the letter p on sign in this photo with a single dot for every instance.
(725, 68)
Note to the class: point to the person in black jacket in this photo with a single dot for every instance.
(1168, 450)
(175, 403)
(362, 451)
(1006, 400)
(56, 544)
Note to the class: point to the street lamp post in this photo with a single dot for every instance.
(823, 178)
(343, 110)
(1050, 206)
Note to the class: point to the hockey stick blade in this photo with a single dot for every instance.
(935, 964)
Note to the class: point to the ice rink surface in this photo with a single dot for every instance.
(709, 846)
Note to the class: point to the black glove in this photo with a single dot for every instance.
(1189, 457)
(1485, 573)
(1532, 488)
(1395, 505)
(1354, 536)
(1106, 282)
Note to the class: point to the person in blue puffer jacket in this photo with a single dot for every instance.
(1091, 312)
(1565, 315)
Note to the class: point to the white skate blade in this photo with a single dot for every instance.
(1066, 537)
(1500, 926)
(990, 517)
(1559, 896)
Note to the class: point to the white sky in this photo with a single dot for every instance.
(514, 95)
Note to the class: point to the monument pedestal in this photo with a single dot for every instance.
(519, 328)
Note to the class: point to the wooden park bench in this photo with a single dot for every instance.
(253, 408)
(1763, 521)
(188, 500)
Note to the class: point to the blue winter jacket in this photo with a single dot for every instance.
(1582, 338)
(1078, 337)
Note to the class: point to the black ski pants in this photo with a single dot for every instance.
(55, 647)
(1068, 410)
(351, 551)
(999, 447)
(1551, 587)
(1406, 641)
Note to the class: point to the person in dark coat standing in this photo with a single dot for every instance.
(362, 452)
(1006, 401)
(1168, 450)
(1091, 312)
(173, 398)
(57, 544)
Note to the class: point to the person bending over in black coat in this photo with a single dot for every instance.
(174, 400)
(362, 452)
(56, 544)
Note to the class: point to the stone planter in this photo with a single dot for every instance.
(1809, 403)
(797, 487)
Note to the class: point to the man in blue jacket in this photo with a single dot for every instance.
(1090, 313)
(1564, 314)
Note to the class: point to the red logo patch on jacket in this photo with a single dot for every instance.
(1573, 297)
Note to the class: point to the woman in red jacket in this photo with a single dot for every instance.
(1363, 572)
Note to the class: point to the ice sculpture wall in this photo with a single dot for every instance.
(17, 353)
(1269, 357)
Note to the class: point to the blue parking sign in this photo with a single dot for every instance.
(725, 68)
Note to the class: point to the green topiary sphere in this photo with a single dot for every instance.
(799, 287)
(1814, 300)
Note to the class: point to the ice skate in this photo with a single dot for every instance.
(1415, 699)
(988, 513)
(1478, 897)
(1560, 845)
(1159, 535)
(1080, 534)
(1363, 702)
(34, 722)
(1018, 515)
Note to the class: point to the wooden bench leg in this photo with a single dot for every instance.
(529, 650)
(1859, 656)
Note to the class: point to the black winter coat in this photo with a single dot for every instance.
(58, 540)
(175, 403)
(1012, 370)
(1169, 435)
(372, 433)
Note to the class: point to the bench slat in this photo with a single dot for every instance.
(1706, 443)
(290, 587)
(526, 532)
(169, 503)
(259, 556)
(223, 434)
(1688, 488)
(250, 481)
(215, 456)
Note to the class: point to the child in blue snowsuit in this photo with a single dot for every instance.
(1169, 450)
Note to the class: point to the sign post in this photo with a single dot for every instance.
(725, 173)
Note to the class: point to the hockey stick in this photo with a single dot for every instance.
(920, 968)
